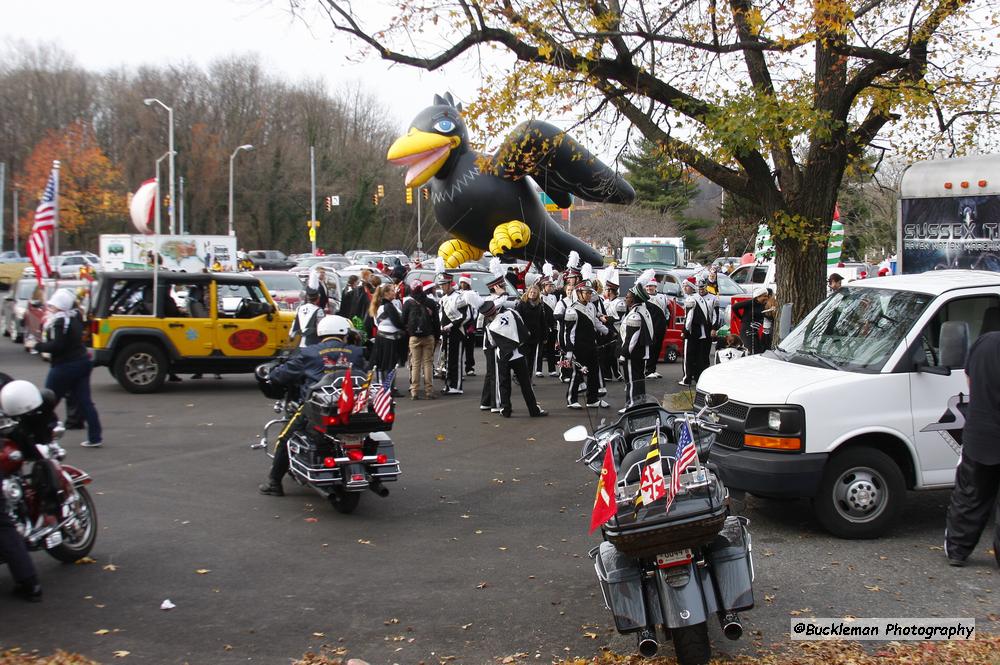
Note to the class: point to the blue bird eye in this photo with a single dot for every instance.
(444, 125)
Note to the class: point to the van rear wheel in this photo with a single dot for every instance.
(861, 494)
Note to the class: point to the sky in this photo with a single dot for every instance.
(98, 36)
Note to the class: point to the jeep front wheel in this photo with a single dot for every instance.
(141, 368)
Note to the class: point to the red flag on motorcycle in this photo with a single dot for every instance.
(605, 505)
(346, 401)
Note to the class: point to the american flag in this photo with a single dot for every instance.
(383, 401)
(687, 454)
(42, 231)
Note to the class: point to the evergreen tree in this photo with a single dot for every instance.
(660, 183)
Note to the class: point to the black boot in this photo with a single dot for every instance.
(29, 589)
(272, 488)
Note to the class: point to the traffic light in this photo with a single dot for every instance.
(381, 191)
(329, 203)
(375, 198)
(409, 196)
(427, 194)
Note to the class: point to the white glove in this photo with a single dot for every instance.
(569, 355)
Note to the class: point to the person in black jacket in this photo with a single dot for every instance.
(420, 319)
(71, 364)
(532, 311)
(977, 479)
(507, 333)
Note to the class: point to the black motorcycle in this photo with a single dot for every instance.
(669, 569)
(337, 456)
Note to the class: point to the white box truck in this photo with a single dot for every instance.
(189, 253)
(949, 215)
(858, 403)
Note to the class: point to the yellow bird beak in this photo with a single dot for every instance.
(423, 152)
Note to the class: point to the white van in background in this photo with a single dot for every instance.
(858, 403)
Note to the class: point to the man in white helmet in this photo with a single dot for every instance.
(304, 368)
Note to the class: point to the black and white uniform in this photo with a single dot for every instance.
(636, 334)
(581, 332)
(390, 330)
(615, 310)
(507, 333)
(456, 314)
(729, 353)
(699, 323)
(658, 308)
(307, 317)
(559, 313)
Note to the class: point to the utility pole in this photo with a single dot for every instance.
(420, 244)
(181, 203)
(312, 198)
(16, 219)
(3, 189)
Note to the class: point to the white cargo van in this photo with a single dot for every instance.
(856, 405)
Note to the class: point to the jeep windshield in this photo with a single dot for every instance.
(855, 329)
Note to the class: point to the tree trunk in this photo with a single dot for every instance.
(801, 275)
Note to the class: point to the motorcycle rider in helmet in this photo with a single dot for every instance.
(305, 367)
(19, 399)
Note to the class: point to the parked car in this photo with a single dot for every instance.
(68, 266)
(12, 256)
(15, 304)
(286, 288)
(270, 259)
(141, 337)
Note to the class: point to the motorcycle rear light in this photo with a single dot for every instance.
(381, 459)
(95, 327)
(329, 462)
(355, 455)
(331, 420)
(391, 417)
(357, 477)
(320, 428)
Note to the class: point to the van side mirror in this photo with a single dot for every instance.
(954, 343)
(715, 400)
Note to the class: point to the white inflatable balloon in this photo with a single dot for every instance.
(141, 207)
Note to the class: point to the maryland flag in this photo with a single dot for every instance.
(361, 402)
(605, 506)
(651, 483)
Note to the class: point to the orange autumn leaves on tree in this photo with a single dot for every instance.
(90, 186)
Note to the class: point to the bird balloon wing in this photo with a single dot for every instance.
(559, 164)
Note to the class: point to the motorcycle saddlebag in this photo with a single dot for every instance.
(621, 583)
(694, 519)
(732, 565)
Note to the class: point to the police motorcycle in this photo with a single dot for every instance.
(337, 455)
(45, 498)
(672, 568)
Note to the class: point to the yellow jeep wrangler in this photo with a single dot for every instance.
(146, 326)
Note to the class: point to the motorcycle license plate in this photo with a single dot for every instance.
(679, 558)
(53, 539)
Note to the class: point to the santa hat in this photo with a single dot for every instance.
(465, 278)
(882, 272)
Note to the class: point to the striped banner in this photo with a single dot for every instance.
(764, 246)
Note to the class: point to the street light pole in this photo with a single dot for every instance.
(232, 158)
(170, 148)
(156, 236)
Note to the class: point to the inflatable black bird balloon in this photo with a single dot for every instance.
(486, 202)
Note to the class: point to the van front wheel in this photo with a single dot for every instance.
(861, 494)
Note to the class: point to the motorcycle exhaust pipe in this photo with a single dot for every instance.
(379, 489)
(648, 646)
(731, 626)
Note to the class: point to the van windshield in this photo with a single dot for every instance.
(855, 329)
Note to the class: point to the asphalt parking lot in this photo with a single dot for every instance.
(478, 553)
